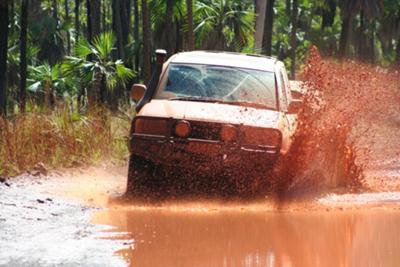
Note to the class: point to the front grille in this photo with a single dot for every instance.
(205, 130)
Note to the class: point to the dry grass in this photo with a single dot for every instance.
(60, 139)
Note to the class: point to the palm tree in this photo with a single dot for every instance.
(223, 24)
(48, 80)
(3, 56)
(101, 73)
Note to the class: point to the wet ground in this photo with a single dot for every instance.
(65, 219)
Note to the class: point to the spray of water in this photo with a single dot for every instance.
(342, 100)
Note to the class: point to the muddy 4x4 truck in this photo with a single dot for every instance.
(225, 118)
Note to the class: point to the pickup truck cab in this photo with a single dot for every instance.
(224, 114)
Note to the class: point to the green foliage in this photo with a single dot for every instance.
(46, 75)
(230, 22)
(90, 60)
(218, 25)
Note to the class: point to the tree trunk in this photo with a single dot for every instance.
(23, 60)
(268, 27)
(117, 28)
(3, 56)
(66, 7)
(77, 22)
(104, 13)
(125, 20)
(372, 30)
(146, 42)
(55, 11)
(328, 15)
(261, 6)
(93, 8)
(136, 34)
(11, 16)
(169, 44)
(94, 94)
(190, 33)
(293, 38)
(398, 52)
(47, 94)
(93, 18)
(344, 36)
(362, 46)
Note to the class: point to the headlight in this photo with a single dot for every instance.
(182, 129)
(261, 136)
(151, 126)
(228, 133)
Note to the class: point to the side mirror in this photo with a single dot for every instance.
(295, 106)
(137, 92)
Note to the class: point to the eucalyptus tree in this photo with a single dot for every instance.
(146, 29)
(77, 21)
(293, 37)
(136, 33)
(23, 59)
(367, 10)
(190, 28)
(67, 18)
(168, 19)
(268, 27)
(93, 9)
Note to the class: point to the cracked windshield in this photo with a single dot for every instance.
(218, 83)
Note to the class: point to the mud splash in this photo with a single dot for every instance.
(333, 144)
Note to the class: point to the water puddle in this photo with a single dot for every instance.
(200, 235)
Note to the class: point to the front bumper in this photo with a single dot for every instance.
(196, 154)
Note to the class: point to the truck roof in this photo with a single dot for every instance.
(246, 61)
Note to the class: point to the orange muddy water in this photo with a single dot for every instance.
(68, 220)
(201, 236)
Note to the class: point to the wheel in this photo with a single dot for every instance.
(145, 180)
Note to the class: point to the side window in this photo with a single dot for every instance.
(287, 85)
(283, 91)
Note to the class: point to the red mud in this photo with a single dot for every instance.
(346, 125)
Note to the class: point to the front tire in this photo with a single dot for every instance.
(143, 179)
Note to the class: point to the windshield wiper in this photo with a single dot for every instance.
(249, 104)
(197, 99)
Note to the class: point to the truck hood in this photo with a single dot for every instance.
(212, 112)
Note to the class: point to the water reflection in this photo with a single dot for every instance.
(242, 238)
